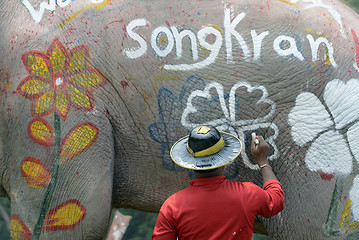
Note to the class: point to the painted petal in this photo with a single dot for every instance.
(353, 140)
(354, 196)
(65, 216)
(35, 173)
(43, 105)
(79, 59)
(58, 54)
(345, 221)
(32, 87)
(18, 229)
(41, 132)
(342, 100)
(329, 154)
(62, 104)
(79, 139)
(87, 80)
(79, 99)
(37, 64)
(308, 118)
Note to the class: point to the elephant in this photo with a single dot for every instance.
(94, 93)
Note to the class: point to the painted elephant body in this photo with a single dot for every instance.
(94, 93)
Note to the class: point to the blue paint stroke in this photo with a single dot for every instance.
(169, 128)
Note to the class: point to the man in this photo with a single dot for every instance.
(213, 207)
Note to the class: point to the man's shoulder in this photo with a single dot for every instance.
(178, 194)
(244, 186)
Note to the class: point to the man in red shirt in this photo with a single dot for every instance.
(213, 207)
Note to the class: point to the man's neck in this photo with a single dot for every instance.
(216, 173)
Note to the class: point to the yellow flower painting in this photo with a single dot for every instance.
(60, 79)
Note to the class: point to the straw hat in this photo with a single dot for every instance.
(205, 148)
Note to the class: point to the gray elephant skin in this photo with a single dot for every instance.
(95, 92)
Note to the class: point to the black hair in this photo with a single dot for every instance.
(206, 171)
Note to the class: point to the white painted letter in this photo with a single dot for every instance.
(289, 51)
(314, 45)
(178, 38)
(63, 3)
(170, 41)
(214, 48)
(257, 43)
(229, 31)
(37, 15)
(143, 46)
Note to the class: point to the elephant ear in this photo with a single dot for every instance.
(78, 140)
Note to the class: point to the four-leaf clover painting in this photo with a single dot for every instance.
(210, 104)
(331, 128)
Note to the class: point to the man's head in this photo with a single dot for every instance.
(205, 148)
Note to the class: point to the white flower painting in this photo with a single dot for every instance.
(331, 129)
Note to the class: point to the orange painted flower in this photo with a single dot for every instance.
(35, 173)
(65, 216)
(58, 79)
(19, 230)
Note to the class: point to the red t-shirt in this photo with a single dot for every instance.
(215, 208)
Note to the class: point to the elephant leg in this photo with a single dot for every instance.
(64, 191)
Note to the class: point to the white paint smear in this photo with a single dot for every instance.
(257, 43)
(135, 53)
(263, 100)
(319, 4)
(62, 3)
(343, 101)
(37, 14)
(291, 50)
(214, 48)
(354, 196)
(178, 36)
(329, 154)
(229, 30)
(308, 118)
(155, 41)
(314, 44)
(190, 109)
(353, 139)
(229, 122)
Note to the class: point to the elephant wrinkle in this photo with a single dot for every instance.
(93, 94)
(172, 37)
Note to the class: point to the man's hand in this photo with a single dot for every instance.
(260, 152)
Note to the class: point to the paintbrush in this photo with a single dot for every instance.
(256, 141)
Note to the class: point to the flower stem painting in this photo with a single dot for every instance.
(58, 81)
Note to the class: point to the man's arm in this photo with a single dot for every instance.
(260, 151)
(164, 227)
(272, 198)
